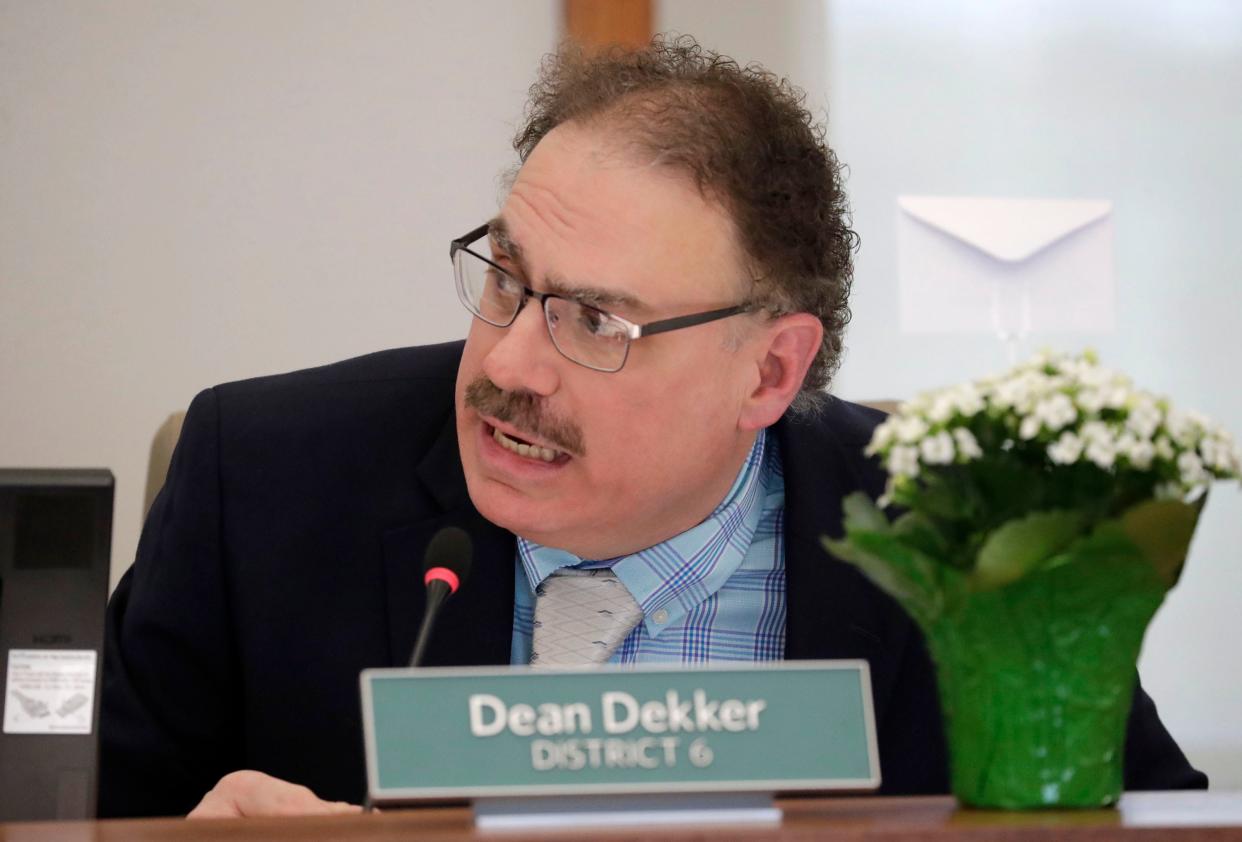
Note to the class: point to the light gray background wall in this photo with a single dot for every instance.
(199, 191)
(1132, 101)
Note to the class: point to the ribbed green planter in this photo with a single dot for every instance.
(1036, 681)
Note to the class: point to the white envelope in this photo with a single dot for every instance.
(1004, 266)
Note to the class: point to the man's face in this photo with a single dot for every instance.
(643, 453)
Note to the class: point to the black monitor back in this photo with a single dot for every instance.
(55, 542)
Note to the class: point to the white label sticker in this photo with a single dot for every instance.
(50, 691)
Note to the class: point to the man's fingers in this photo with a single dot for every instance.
(250, 793)
(214, 807)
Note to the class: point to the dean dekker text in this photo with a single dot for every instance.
(619, 713)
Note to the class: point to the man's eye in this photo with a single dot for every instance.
(504, 284)
(590, 320)
(597, 323)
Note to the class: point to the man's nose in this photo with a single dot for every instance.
(524, 359)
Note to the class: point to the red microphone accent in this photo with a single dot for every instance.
(445, 575)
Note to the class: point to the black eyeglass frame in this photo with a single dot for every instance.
(632, 330)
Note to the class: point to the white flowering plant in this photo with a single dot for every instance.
(1034, 523)
(1007, 475)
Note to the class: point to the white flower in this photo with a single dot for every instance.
(1190, 466)
(1091, 401)
(937, 449)
(1144, 418)
(1056, 411)
(1201, 421)
(1140, 453)
(1233, 455)
(1214, 455)
(1219, 452)
(1029, 428)
(1094, 414)
(1097, 431)
(1020, 392)
(883, 436)
(1102, 452)
(941, 409)
(1164, 448)
(967, 446)
(903, 461)
(1074, 368)
(1183, 427)
(964, 399)
(915, 406)
(1116, 396)
(968, 399)
(1043, 357)
(1066, 449)
(1095, 376)
(910, 428)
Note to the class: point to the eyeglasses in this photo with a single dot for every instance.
(583, 334)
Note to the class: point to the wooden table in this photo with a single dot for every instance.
(1178, 816)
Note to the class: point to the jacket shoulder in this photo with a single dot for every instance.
(833, 437)
(421, 363)
(372, 410)
(852, 424)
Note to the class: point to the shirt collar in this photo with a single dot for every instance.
(672, 577)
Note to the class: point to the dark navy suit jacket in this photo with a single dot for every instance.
(283, 557)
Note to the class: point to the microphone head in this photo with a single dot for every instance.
(448, 558)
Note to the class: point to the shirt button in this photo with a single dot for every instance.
(660, 617)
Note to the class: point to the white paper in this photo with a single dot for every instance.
(50, 691)
(1008, 267)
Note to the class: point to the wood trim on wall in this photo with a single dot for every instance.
(599, 23)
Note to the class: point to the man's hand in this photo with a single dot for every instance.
(247, 793)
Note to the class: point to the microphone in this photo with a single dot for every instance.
(445, 568)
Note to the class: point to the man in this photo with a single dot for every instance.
(667, 277)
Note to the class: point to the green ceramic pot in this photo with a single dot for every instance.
(1036, 681)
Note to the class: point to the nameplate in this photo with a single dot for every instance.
(459, 733)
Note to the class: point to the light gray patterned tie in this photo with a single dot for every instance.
(581, 617)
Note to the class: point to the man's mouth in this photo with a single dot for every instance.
(525, 448)
(524, 411)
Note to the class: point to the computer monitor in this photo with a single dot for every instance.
(55, 543)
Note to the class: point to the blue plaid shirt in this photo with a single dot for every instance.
(716, 592)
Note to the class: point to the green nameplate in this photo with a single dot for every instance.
(470, 732)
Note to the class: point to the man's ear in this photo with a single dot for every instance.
(789, 345)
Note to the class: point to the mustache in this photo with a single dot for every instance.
(526, 412)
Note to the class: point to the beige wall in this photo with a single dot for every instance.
(197, 191)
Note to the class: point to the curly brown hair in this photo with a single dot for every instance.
(745, 138)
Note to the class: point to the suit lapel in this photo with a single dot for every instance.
(476, 625)
(833, 611)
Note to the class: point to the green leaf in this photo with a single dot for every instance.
(920, 532)
(945, 495)
(1022, 545)
(862, 514)
(1162, 530)
(1004, 486)
(1108, 544)
(903, 572)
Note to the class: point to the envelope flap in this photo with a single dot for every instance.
(1007, 229)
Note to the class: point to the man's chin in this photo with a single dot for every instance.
(510, 508)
